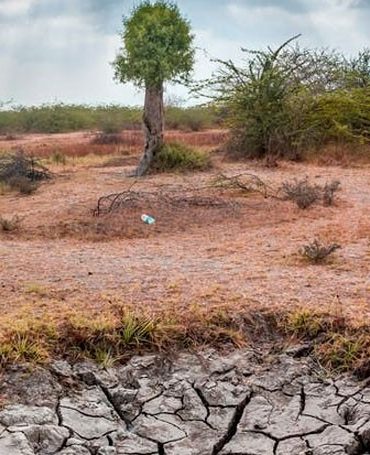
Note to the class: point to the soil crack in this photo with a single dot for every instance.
(233, 426)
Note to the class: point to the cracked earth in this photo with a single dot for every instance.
(194, 404)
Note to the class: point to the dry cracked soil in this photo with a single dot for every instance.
(201, 404)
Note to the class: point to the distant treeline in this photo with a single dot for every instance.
(60, 118)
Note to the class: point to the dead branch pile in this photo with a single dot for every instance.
(162, 197)
(246, 182)
(130, 199)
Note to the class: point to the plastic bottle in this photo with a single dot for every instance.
(147, 219)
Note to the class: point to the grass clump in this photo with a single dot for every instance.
(120, 331)
(305, 194)
(303, 323)
(302, 192)
(343, 351)
(329, 191)
(317, 252)
(135, 329)
(58, 157)
(179, 157)
(10, 224)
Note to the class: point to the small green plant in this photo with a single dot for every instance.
(105, 357)
(341, 352)
(21, 348)
(10, 224)
(317, 252)
(136, 330)
(179, 157)
(304, 322)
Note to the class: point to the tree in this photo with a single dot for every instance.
(157, 48)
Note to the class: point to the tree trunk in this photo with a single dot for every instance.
(153, 127)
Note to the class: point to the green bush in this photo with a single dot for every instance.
(342, 115)
(286, 101)
(179, 157)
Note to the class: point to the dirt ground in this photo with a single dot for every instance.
(236, 249)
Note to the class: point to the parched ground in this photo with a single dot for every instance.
(225, 247)
(202, 404)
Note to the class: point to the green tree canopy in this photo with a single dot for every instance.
(158, 45)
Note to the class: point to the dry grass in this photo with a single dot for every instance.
(129, 142)
(203, 275)
(340, 154)
(120, 330)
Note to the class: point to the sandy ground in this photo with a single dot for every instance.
(63, 255)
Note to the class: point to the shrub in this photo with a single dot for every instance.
(304, 194)
(301, 192)
(21, 172)
(22, 184)
(10, 224)
(283, 102)
(329, 191)
(179, 157)
(316, 251)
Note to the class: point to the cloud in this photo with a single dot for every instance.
(323, 23)
(61, 54)
(15, 7)
(62, 48)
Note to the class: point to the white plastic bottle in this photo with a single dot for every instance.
(147, 219)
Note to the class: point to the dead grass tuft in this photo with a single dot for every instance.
(305, 194)
(317, 252)
(10, 224)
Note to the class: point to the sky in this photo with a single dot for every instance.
(60, 50)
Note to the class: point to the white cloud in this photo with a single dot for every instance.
(322, 23)
(62, 48)
(15, 7)
(65, 58)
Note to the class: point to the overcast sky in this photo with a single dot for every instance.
(59, 50)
